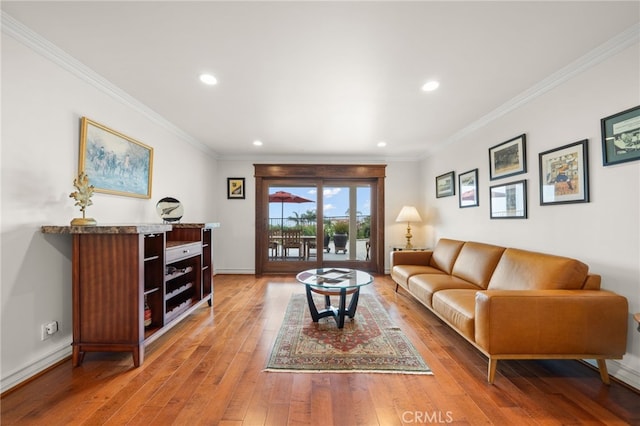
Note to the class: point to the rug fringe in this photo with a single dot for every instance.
(282, 370)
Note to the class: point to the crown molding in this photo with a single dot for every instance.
(34, 41)
(612, 47)
(39, 44)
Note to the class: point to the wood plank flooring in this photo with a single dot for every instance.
(208, 370)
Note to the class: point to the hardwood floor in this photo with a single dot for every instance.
(209, 370)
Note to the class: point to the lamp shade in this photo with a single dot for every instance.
(408, 214)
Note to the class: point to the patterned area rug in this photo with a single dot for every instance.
(368, 343)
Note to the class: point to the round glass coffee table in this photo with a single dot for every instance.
(334, 282)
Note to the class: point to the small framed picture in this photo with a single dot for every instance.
(621, 137)
(446, 185)
(564, 176)
(235, 188)
(468, 188)
(508, 158)
(509, 200)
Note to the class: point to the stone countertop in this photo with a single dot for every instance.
(192, 225)
(137, 228)
(123, 228)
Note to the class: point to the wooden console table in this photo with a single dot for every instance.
(120, 269)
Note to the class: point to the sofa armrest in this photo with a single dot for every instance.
(548, 322)
(408, 257)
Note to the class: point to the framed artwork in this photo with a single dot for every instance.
(115, 163)
(446, 185)
(564, 176)
(468, 188)
(621, 137)
(235, 188)
(508, 200)
(508, 158)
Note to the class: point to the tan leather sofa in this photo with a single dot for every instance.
(516, 304)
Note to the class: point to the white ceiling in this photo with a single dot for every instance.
(326, 78)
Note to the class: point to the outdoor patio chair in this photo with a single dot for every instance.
(311, 245)
(291, 239)
(274, 239)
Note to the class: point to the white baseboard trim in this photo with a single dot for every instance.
(234, 272)
(621, 372)
(24, 373)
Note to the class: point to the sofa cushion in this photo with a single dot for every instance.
(423, 286)
(445, 253)
(458, 308)
(402, 273)
(527, 270)
(476, 261)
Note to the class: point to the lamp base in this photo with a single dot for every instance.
(408, 236)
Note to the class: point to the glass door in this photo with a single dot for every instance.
(310, 216)
(292, 227)
(347, 222)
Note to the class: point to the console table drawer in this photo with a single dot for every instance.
(182, 251)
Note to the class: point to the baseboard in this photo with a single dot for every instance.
(33, 369)
(620, 372)
(234, 272)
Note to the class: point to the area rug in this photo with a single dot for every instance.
(369, 342)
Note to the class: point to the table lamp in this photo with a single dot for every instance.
(408, 214)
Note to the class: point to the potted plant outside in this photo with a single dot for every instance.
(328, 233)
(341, 235)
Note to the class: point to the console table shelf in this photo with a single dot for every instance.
(118, 269)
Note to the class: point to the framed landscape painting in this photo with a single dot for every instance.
(508, 158)
(468, 188)
(446, 185)
(621, 137)
(115, 163)
(564, 176)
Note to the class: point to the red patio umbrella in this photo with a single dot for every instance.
(286, 197)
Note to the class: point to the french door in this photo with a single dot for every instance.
(310, 216)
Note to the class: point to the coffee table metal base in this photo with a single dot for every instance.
(330, 311)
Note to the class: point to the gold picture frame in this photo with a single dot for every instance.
(115, 163)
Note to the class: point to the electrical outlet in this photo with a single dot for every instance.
(46, 330)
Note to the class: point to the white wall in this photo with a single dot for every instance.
(235, 240)
(41, 108)
(603, 233)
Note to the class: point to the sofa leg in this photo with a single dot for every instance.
(493, 363)
(604, 374)
(397, 287)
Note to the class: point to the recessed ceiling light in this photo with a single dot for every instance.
(257, 143)
(382, 144)
(208, 79)
(430, 86)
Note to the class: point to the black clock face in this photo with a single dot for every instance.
(170, 209)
